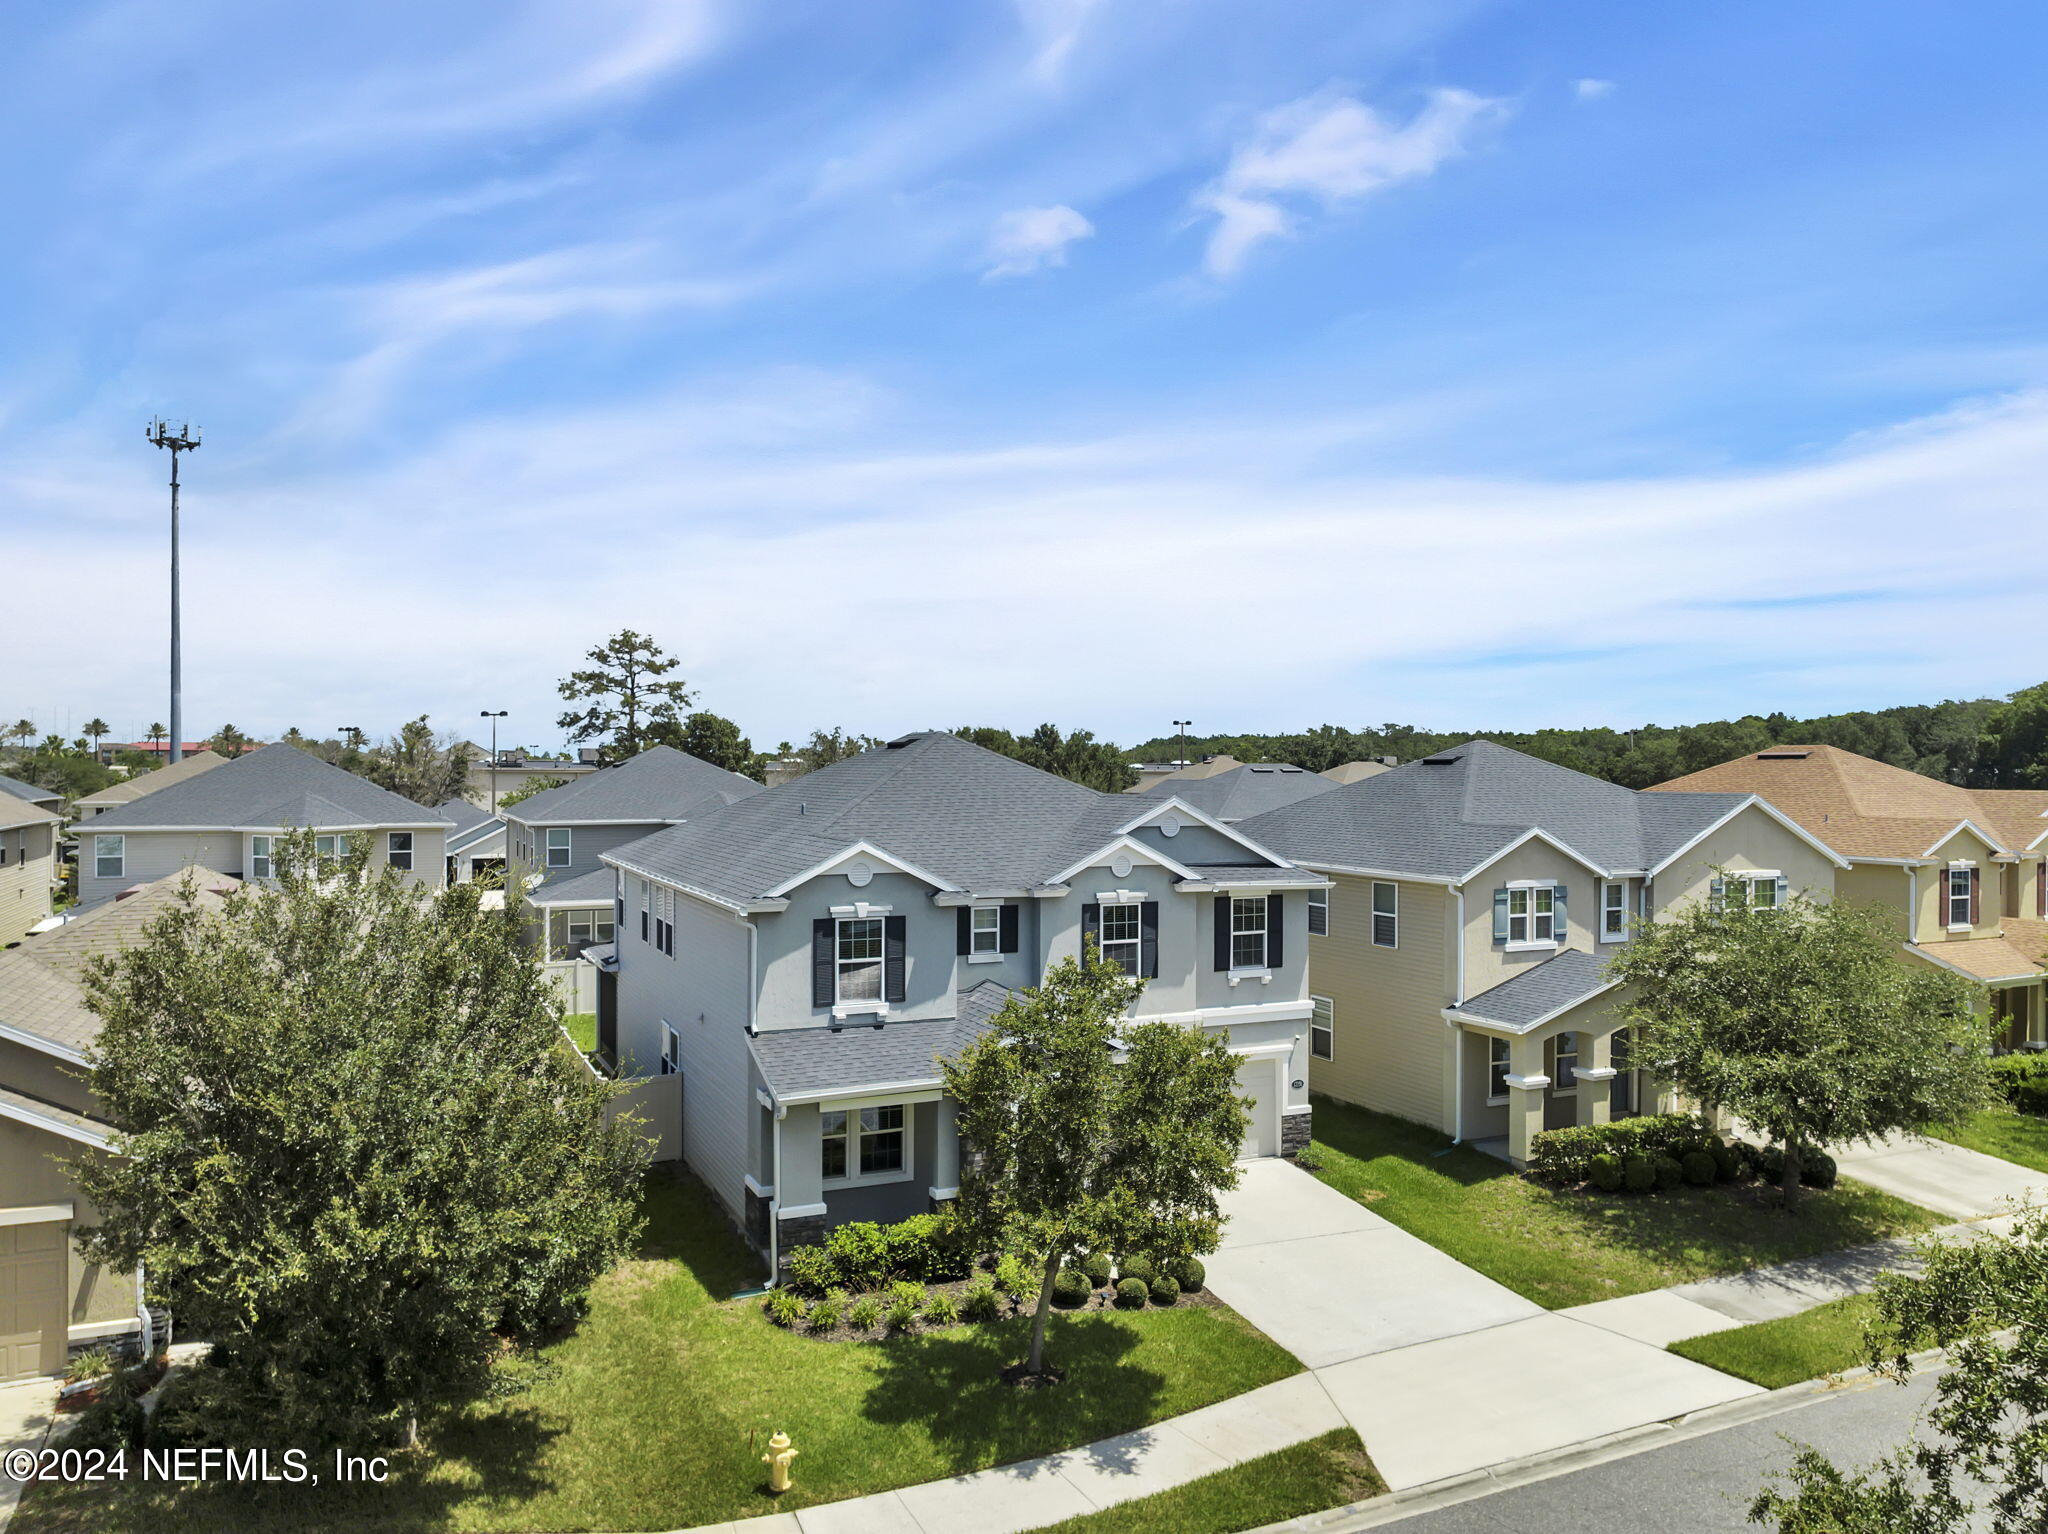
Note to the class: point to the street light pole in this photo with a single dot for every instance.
(1182, 726)
(494, 718)
(183, 439)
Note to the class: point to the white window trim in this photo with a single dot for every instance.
(1507, 1067)
(975, 953)
(854, 1178)
(100, 858)
(879, 1002)
(1318, 900)
(264, 858)
(1603, 935)
(1949, 897)
(1527, 888)
(568, 846)
(1374, 913)
(1263, 970)
(671, 1050)
(1327, 1028)
(1136, 942)
(392, 851)
(1554, 1073)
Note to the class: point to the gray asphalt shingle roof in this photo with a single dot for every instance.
(276, 786)
(1243, 792)
(29, 791)
(596, 887)
(971, 817)
(472, 825)
(659, 784)
(1543, 990)
(798, 1062)
(1441, 817)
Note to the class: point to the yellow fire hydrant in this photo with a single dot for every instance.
(777, 1459)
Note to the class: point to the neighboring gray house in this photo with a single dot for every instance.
(803, 957)
(230, 817)
(558, 838)
(1238, 793)
(42, 798)
(477, 844)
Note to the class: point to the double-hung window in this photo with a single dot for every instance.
(985, 932)
(398, 849)
(1564, 1062)
(1386, 915)
(864, 1144)
(1322, 1028)
(1247, 931)
(1962, 885)
(1318, 913)
(859, 958)
(665, 921)
(109, 856)
(671, 1050)
(1532, 914)
(558, 846)
(1614, 911)
(1119, 933)
(327, 849)
(259, 857)
(1496, 1070)
(646, 911)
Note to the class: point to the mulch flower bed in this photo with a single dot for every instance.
(141, 1381)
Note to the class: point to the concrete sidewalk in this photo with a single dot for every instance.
(1962, 1184)
(27, 1409)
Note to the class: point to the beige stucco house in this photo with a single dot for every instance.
(51, 1299)
(1458, 968)
(28, 865)
(1962, 868)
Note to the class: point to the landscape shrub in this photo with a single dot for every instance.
(1190, 1275)
(906, 1299)
(1097, 1266)
(200, 1408)
(2023, 1078)
(1070, 1287)
(1637, 1174)
(941, 1309)
(829, 1311)
(114, 1421)
(860, 1253)
(1605, 1172)
(1728, 1161)
(1130, 1294)
(1817, 1170)
(1565, 1156)
(1698, 1167)
(926, 1247)
(1015, 1279)
(1770, 1163)
(1164, 1291)
(981, 1301)
(812, 1269)
(1139, 1267)
(1667, 1172)
(785, 1307)
(865, 1314)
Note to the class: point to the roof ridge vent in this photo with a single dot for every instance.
(1777, 755)
(906, 740)
(1442, 761)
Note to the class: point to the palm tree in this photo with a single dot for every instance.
(230, 742)
(24, 730)
(155, 733)
(98, 730)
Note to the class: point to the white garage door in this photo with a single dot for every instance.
(1262, 1134)
(33, 1329)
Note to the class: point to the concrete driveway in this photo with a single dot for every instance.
(1964, 1184)
(26, 1408)
(1439, 1369)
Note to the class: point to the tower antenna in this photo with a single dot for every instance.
(183, 438)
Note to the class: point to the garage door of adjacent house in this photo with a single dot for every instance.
(1255, 1079)
(34, 1330)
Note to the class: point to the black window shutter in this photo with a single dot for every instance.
(823, 990)
(1091, 925)
(1223, 932)
(1275, 917)
(893, 944)
(963, 937)
(1148, 940)
(1009, 932)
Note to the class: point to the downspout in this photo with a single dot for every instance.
(1458, 1034)
(775, 1198)
(1912, 903)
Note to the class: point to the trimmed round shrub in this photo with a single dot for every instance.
(812, 1269)
(1728, 1161)
(1698, 1168)
(1130, 1294)
(1770, 1163)
(1070, 1287)
(1165, 1291)
(1667, 1171)
(1817, 1170)
(1190, 1275)
(1638, 1175)
(1606, 1172)
(1142, 1268)
(1098, 1268)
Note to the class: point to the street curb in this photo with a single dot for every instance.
(1474, 1484)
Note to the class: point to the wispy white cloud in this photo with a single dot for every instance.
(1053, 27)
(1592, 90)
(1331, 150)
(1030, 239)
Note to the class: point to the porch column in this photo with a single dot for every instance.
(1526, 1087)
(1596, 1078)
(945, 1154)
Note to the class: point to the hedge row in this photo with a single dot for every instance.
(2024, 1080)
(1565, 1156)
(1660, 1151)
(861, 1256)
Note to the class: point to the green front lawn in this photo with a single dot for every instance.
(1824, 1340)
(2005, 1133)
(1306, 1477)
(1568, 1248)
(582, 1028)
(653, 1413)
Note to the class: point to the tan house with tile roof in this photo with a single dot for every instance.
(141, 784)
(1966, 869)
(55, 1300)
(28, 865)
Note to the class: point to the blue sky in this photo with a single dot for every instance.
(906, 365)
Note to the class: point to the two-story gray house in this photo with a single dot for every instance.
(230, 817)
(558, 838)
(803, 958)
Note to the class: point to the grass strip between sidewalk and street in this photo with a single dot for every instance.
(1306, 1477)
(1827, 1339)
(1563, 1247)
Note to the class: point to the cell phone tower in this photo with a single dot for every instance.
(180, 439)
